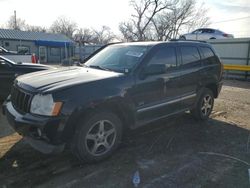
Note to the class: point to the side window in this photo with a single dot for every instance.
(190, 56)
(209, 56)
(204, 30)
(207, 31)
(198, 31)
(167, 56)
(210, 31)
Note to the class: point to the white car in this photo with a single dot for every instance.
(206, 34)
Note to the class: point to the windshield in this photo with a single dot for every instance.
(118, 58)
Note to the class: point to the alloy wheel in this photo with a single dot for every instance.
(206, 106)
(100, 138)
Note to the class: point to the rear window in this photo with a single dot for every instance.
(190, 56)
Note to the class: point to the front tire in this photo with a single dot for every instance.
(204, 105)
(97, 137)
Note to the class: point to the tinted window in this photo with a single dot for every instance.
(190, 56)
(208, 54)
(165, 56)
(197, 31)
(207, 31)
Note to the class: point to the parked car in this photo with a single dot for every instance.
(15, 56)
(9, 70)
(206, 34)
(122, 87)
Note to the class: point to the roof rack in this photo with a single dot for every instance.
(188, 40)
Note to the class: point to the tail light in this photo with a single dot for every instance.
(225, 35)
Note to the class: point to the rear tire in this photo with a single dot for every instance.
(97, 137)
(204, 105)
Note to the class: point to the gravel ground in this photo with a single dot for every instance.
(177, 152)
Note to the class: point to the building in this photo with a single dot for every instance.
(49, 47)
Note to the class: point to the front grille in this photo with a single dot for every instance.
(21, 100)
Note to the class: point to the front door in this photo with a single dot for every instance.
(42, 54)
(155, 95)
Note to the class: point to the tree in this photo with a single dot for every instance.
(64, 26)
(144, 12)
(34, 28)
(158, 20)
(185, 16)
(16, 23)
(103, 36)
(94, 36)
(84, 36)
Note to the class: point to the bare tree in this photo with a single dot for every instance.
(64, 26)
(34, 28)
(128, 31)
(187, 16)
(144, 12)
(162, 27)
(103, 36)
(165, 22)
(16, 23)
(83, 36)
(200, 18)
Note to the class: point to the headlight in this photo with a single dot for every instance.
(45, 105)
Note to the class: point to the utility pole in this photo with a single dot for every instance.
(15, 19)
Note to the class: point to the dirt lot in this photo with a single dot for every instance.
(170, 153)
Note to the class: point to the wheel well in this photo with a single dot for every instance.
(213, 88)
(122, 111)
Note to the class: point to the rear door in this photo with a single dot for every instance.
(189, 73)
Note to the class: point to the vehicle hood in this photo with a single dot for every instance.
(34, 66)
(61, 78)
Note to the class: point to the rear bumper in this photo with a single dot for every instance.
(42, 133)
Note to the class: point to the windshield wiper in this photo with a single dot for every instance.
(99, 67)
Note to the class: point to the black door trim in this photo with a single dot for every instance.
(180, 98)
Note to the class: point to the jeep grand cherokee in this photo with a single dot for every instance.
(121, 87)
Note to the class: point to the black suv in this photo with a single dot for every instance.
(123, 86)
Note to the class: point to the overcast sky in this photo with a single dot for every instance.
(95, 13)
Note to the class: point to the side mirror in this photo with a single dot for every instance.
(155, 69)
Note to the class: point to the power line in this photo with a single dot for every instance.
(232, 19)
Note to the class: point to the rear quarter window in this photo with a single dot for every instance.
(208, 55)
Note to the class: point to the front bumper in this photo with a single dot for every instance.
(42, 133)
